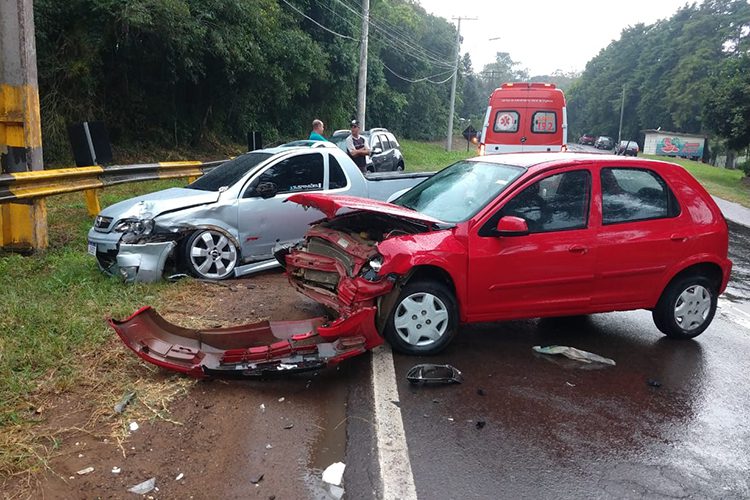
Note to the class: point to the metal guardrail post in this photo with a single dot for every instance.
(23, 225)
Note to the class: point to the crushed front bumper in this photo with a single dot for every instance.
(248, 350)
(142, 262)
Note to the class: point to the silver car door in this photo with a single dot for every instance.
(264, 222)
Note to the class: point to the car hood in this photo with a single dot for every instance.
(153, 204)
(331, 204)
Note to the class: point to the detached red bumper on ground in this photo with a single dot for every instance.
(248, 350)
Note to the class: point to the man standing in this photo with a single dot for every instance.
(357, 147)
(317, 131)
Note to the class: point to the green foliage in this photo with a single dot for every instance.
(668, 73)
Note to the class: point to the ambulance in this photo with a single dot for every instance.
(525, 117)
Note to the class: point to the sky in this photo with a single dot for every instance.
(546, 35)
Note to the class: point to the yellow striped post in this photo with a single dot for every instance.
(23, 226)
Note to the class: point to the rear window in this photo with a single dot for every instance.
(506, 121)
(544, 122)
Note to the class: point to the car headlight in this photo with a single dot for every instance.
(376, 263)
(140, 227)
(372, 268)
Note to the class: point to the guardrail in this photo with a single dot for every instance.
(39, 184)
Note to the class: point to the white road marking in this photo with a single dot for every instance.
(393, 453)
(734, 314)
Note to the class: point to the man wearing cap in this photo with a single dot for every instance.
(317, 131)
(357, 147)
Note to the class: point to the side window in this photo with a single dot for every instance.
(336, 177)
(506, 121)
(630, 194)
(544, 122)
(556, 203)
(375, 142)
(299, 173)
(384, 142)
(393, 141)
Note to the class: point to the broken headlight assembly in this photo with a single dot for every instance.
(372, 268)
(139, 227)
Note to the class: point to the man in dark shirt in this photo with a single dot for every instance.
(357, 147)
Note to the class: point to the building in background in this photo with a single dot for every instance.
(663, 143)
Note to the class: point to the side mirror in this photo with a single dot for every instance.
(512, 226)
(266, 190)
(377, 151)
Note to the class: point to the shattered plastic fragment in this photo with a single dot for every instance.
(133, 426)
(144, 487)
(334, 473)
(116, 470)
(256, 479)
(262, 407)
(179, 476)
(434, 374)
(120, 407)
(85, 471)
(573, 353)
(336, 491)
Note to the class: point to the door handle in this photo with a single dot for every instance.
(678, 238)
(578, 249)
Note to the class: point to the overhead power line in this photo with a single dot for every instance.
(424, 79)
(317, 23)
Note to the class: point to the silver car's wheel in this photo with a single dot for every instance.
(692, 308)
(211, 255)
(421, 319)
(686, 307)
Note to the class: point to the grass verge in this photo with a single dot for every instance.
(431, 157)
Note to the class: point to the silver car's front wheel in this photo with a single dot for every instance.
(210, 254)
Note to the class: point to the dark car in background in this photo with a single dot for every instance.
(627, 148)
(604, 142)
(587, 140)
(386, 151)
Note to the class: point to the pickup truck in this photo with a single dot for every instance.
(230, 221)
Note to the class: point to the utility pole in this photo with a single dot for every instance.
(622, 110)
(362, 80)
(449, 140)
(23, 226)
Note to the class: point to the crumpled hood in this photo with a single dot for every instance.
(153, 204)
(331, 204)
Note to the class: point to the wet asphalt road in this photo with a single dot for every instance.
(671, 420)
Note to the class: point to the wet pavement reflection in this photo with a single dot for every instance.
(671, 419)
(738, 290)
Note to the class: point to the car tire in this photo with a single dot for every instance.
(686, 307)
(400, 167)
(210, 254)
(423, 320)
(370, 170)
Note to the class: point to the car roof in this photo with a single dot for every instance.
(539, 161)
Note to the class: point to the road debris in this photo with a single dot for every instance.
(480, 424)
(133, 426)
(334, 473)
(573, 353)
(653, 383)
(481, 392)
(281, 400)
(262, 408)
(288, 426)
(257, 478)
(125, 401)
(144, 487)
(179, 476)
(268, 446)
(116, 470)
(85, 471)
(429, 373)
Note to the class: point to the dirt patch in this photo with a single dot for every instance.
(215, 433)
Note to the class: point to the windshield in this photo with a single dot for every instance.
(461, 190)
(230, 172)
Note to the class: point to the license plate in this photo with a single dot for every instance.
(92, 249)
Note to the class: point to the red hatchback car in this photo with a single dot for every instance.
(519, 236)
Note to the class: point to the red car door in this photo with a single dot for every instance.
(643, 233)
(549, 271)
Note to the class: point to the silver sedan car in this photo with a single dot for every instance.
(230, 221)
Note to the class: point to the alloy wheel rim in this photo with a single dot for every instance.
(213, 255)
(421, 319)
(692, 307)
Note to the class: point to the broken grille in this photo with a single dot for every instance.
(320, 246)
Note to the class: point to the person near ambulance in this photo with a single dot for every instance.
(357, 147)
